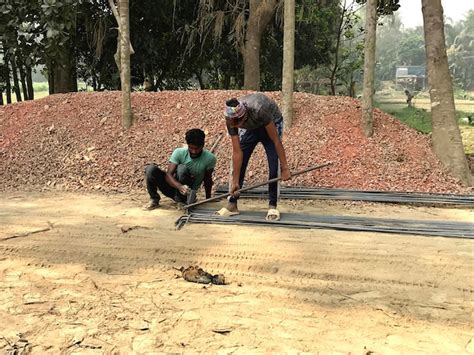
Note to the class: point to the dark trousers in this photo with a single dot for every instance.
(156, 180)
(248, 141)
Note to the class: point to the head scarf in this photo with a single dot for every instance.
(231, 112)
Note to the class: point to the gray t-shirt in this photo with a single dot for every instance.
(261, 110)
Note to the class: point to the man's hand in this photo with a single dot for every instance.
(233, 189)
(184, 189)
(285, 174)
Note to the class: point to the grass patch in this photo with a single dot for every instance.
(42, 86)
(420, 119)
(417, 118)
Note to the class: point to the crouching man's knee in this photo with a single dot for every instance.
(150, 169)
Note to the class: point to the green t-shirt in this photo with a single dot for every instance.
(197, 167)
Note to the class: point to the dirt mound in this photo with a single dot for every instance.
(76, 141)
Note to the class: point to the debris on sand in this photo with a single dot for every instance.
(198, 275)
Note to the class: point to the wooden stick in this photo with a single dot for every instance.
(306, 170)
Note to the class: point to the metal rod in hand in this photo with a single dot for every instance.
(299, 172)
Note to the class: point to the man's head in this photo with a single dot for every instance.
(195, 140)
(235, 112)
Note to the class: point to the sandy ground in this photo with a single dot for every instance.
(83, 285)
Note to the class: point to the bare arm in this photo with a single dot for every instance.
(208, 182)
(237, 157)
(273, 134)
(172, 181)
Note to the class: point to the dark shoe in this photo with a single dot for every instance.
(153, 205)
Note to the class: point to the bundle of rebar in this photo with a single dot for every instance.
(305, 193)
(348, 223)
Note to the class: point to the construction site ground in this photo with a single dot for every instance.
(93, 273)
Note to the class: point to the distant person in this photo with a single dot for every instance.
(147, 85)
(187, 169)
(409, 97)
(250, 120)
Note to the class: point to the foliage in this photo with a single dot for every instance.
(384, 7)
(389, 35)
(339, 68)
(313, 42)
(399, 46)
(96, 44)
(461, 52)
(411, 50)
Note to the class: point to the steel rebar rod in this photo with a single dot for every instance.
(215, 198)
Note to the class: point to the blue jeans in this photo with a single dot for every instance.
(248, 141)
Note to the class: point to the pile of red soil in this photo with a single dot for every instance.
(76, 141)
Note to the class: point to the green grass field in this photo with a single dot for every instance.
(419, 118)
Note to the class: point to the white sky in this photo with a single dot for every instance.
(410, 11)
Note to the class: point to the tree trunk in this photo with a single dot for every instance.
(16, 84)
(8, 87)
(260, 14)
(288, 62)
(64, 74)
(446, 137)
(336, 50)
(94, 82)
(125, 63)
(21, 69)
(226, 81)
(49, 65)
(29, 83)
(3, 79)
(198, 74)
(369, 68)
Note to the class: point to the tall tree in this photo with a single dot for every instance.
(260, 14)
(248, 20)
(16, 82)
(288, 62)
(348, 49)
(122, 57)
(447, 142)
(125, 63)
(369, 68)
(58, 23)
(8, 86)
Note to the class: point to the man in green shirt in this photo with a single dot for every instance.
(188, 168)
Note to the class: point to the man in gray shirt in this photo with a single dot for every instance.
(253, 119)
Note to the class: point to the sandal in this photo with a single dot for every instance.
(273, 215)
